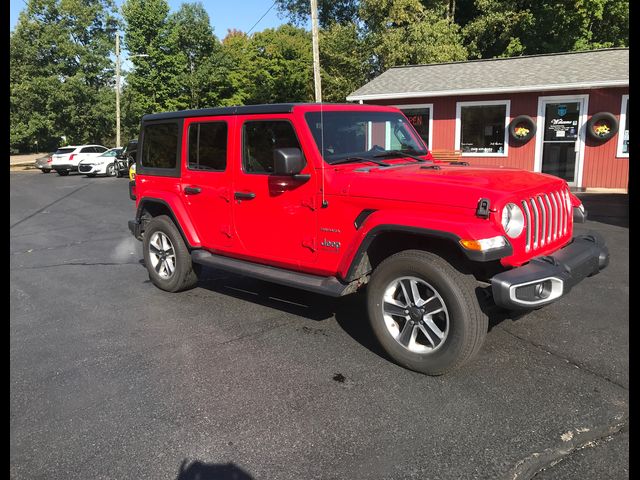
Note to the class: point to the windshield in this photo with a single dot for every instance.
(111, 153)
(363, 134)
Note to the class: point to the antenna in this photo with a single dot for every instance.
(317, 79)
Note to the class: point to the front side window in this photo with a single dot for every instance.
(160, 146)
(482, 129)
(260, 139)
(343, 134)
(208, 146)
(88, 150)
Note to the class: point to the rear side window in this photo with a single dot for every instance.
(101, 149)
(208, 146)
(260, 139)
(160, 147)
(64, 151)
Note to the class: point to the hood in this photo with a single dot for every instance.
(453, 185)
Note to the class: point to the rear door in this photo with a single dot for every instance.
(206, 179)
(274, 217)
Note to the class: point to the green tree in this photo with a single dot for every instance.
(61, 50)
(329, 11)
(345, 60)
(494, 28)
(404, 32)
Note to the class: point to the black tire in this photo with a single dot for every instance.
(184, 276)
(63, 173)
(111, 170)
(602, 118)
(467, 323)
(522, 121)
(46, 170)
(118, 173)
(91, 175)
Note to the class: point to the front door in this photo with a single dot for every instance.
(274, 216)
(562, 138)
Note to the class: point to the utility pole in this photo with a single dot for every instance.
(117, 88)
(316, 52)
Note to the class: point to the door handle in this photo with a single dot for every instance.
(192, 190)
(244, 195)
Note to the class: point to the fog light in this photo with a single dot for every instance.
(536, 292)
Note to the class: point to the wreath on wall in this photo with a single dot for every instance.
(522, 128)
(602, 126)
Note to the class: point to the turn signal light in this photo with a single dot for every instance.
(484, 243)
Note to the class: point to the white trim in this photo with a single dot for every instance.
(489, 90)
(369, 133)
(622, 121)
(583, 99)
(507, 119)
(387, 135)
(428, 106)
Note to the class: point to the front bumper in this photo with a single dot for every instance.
(545, 279)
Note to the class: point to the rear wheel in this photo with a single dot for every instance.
(425, 313)
(166, 256)
(46, 170)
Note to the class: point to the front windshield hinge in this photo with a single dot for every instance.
(483, 208)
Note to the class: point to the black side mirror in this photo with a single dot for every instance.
(287, 161)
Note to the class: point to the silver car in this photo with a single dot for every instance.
(44, 163)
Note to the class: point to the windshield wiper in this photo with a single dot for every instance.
(360, 159)
(398, 153)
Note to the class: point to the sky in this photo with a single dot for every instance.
(224, 14)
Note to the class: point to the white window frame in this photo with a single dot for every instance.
(425, 106)
(507, 119)
(621, 123)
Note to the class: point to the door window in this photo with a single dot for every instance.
(559, 147)
(160, 146)
(208, 146)
(260, 139)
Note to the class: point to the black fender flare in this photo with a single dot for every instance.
(151, 200)
(472, 255)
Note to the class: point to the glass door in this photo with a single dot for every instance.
(561, 139)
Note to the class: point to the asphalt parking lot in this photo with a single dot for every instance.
(240, 379)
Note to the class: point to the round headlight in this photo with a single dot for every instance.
(512, 220)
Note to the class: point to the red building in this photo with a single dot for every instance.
(565, 114)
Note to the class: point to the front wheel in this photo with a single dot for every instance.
(63, 173)
(425, 313)
(166, 256)
(46, 170)
(111, 170)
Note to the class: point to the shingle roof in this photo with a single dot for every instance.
(557, 71)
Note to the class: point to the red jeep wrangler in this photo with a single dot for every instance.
(330, 198)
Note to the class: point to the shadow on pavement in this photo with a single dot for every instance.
(609, 208)
(350, 312)
(211, 471)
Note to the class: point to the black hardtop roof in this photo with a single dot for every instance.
(237, 110)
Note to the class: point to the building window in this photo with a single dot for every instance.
(208, 146)
(623, 131)
(481, 128)
(421, 117)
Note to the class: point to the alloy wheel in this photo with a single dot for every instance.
(162, 255)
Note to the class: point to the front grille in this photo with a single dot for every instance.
(547, 218)
(85, 168)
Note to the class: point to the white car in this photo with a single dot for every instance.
(100, 165)
(66, 159)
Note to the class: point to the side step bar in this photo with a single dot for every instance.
(325, 285)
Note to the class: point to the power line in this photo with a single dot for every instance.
(265, 14)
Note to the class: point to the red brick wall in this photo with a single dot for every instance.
(601, 168)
